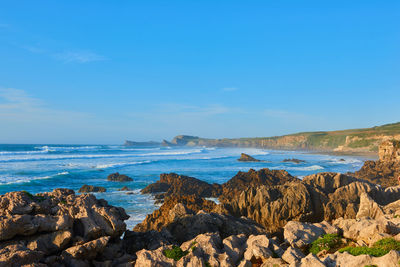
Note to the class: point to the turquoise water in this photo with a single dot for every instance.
(39, 168)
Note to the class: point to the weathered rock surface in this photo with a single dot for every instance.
(300, 235)
(56, 228)
(274, 206)
(386, 170)
(174, 184)
(90, 188)
(346, 259)
(116, 177)
(245, 157)
(161, 217)
(252, 179)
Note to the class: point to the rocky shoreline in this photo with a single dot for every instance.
(263, 218)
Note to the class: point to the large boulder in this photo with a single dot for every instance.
(244, 180)
(90, 188)
(56, 228)
(161, 217)
(174, 184)
(274, 206)
(116, 177)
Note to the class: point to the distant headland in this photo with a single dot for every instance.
(354, 141)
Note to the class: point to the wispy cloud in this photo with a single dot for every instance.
(230, 89)
(78, 56)
(18, 106)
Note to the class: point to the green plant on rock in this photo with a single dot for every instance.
(328, 242)
(373, 265)
(175, 253)
(378, 249)
(28, 194)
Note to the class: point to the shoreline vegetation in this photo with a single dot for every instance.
(361, 142)
(262, 218)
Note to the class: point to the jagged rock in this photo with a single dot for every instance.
(389, 150)
(244, 180)
(368, 208)
(174, 184)
(367, 230)
(161, 217)
(274, 262)
(297, 161)
(154, 258)
(116, 177)
(257, 248)
(18, 255)
(292, 255)
(88, 250)
(37, 228)
(384, 173)
(300, 235)
(234, 246)
(346, 259)
(311, 261)
(150, 240)
(90, 188)
(274, 206)
(329, 182)
(245, 157)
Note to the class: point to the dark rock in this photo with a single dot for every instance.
(384, 173)
(125, 188)
(245, 157)
(160, 218)
(116, 177)
(90, 188)
(294, 160)
(174, 184)
(244, 180)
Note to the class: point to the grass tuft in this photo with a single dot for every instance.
(175, 253)
(328, 242)
(378, 249)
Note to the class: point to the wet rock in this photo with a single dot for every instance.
(116, 177)
(245, 157)
(90, 188)
(297, 161)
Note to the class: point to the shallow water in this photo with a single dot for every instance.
(39, 168)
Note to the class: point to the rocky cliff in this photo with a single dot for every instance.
(346, 141)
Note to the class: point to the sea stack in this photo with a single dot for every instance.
(245, 157)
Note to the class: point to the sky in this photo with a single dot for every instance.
(105, 71)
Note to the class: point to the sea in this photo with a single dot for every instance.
(41, 168)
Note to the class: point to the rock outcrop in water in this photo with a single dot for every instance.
(116, 177)
(247, 158)
(90, 188)
(59, 228)
(386, 170)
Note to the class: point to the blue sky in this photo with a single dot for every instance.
(106, 71)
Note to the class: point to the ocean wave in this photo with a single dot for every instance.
(172, 153)
(344, 161)
(61, 157)
(120, 164)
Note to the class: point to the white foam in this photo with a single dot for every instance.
(119, 164)
(171, 153)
